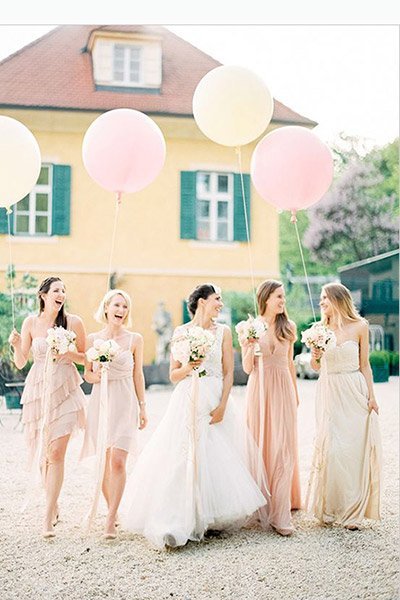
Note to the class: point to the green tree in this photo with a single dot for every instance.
(289, 252)
(386, 162)
(21, 308)
(353, 221)
(241, 305)
(347, 149)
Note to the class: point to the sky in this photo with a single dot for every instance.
(344, 76)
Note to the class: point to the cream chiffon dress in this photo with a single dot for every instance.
(344, 486)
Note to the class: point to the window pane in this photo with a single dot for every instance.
(41, 225)
(42, 202)
(135, 55)
(22, 225)
(43, 176)
(204, 208)
(119, 52)
(222, 210)
(23, 204)
(134, 73)
(223, 183)
(118, 63)
(222, 231)
(203, 183)
(203, 230)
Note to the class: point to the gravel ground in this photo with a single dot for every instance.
(314, 564)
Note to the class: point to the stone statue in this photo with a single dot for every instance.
(162, 325)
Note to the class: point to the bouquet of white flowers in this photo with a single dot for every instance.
(102, 351)
(318, 336)
(61, 340)
(252, 328)
(193, 343)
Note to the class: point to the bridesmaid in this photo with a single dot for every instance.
(344, 486)
(272, 402)
(125, 399)
(66, 400)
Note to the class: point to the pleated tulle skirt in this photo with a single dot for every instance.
(190, 476)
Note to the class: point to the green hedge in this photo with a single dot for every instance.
(379, 358)
(394, 363)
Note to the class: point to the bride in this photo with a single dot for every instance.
(190, 477)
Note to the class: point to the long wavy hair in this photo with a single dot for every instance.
(342, 304)
(283, 329)
(61, 319)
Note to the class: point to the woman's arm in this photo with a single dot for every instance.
(247, 350)
(78, 327)
(292, 368)
(22, 343)
(177, 371)
(89, 375)
(365, 367)
(227, 369)
(315, 355)
(138, 378)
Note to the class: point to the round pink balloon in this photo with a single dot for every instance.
(123, 150)
(291, 168)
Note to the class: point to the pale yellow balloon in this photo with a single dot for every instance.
(232, 105)
(20, 161)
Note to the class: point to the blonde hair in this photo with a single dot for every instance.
(283, 328)
(101, 313)
(342, 304)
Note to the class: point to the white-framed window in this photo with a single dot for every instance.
(127, 64)
(214, 200)
(32, 214)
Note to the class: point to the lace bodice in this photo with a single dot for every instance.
(213, 362)
(343, 358)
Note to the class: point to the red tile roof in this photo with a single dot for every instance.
(55, 72)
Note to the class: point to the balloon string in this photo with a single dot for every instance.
(246, 220)
(294, 220)
(9, 211)
(117, 205)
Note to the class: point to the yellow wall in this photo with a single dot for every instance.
(151, 260)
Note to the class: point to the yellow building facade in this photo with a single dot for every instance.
(155, 259)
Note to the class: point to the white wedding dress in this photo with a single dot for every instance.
(191, 476)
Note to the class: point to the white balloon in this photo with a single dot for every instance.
(20, 161)
(232, 105)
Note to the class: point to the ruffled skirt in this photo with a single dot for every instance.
(67, 404)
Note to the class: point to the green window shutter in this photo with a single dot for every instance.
(188, 205)
(185, 313)
(61, 200)
(4, 220)
(239, 223)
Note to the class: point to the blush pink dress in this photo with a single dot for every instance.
(66, 398)
(272, 420)
(122, 417)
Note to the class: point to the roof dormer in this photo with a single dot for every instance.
(126, 62)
